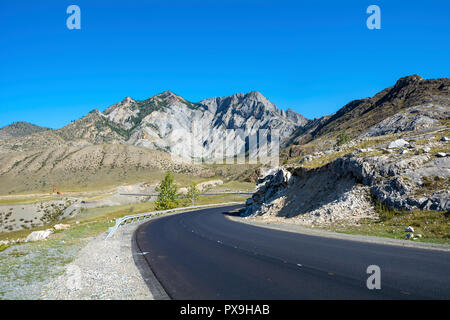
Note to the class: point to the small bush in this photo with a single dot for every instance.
(342, 138)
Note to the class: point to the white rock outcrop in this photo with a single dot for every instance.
(399, 143)
(38, 235)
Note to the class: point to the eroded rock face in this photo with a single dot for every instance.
(270, 186)
(343, 189)
(310, 196)
(170, 123)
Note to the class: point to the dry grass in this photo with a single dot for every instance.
(434, 226)
(28, 200)
(324, 160)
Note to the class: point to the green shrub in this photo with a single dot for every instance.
(342, 138)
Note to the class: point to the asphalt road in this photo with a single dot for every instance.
(204, 255)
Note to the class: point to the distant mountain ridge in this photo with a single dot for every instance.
(20, 129)
(165, 122)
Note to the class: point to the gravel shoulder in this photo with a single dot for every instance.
(289, 227)
(102, 270)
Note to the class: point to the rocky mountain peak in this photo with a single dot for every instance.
(125, 103)
(257, 96)
(94, 113)
(250, 103)
(167, 93)
(168, 98)
(408, 80)
(127, 100)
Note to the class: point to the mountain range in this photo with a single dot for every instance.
(163, 122)
(130, 132)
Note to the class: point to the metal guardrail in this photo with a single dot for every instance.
(143, 216)
(201, 194)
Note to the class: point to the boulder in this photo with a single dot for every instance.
(445, 139)
(208, 184)
(61, 226)
(364, 150)
(399, 143)
(441, 154)
(39, 235)
(409, 229)
(426, 149)
(307, 158)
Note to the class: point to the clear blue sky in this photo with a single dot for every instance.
(312, 56)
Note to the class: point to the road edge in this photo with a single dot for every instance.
(145, 270)
(288, 227)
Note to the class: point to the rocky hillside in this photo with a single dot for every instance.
(396, 153)
(359, 115)
(84, 167)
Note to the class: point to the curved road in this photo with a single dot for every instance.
(204, 255)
